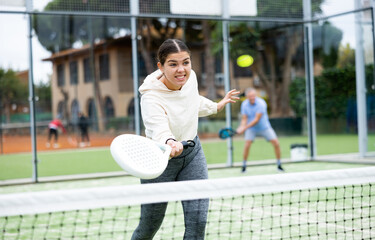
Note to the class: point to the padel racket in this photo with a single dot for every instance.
(141, 156)
(225, 133)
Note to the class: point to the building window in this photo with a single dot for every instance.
(73, 68)
(60, 75)
(74, 110)
(142, 70)
(61, 109)
(104, 67)
(131, 108)
(87, 70)
(109, 108)
(92, 115)
(219, 76)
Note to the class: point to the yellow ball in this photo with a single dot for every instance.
(245, 60)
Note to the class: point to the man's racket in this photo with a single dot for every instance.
(225, 133)
(140, 156)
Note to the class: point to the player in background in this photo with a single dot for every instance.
(255, 122)
(83, 124)
(171, 106)
(53, 130)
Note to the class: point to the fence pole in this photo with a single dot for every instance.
(228, 114)
(32, 94)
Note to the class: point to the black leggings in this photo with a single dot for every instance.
(54, 132)
(190, 165)
(85, 135)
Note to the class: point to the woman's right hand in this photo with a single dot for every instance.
(177, 148)
(229, 98)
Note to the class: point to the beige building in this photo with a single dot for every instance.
(23, 107)
(72, 82)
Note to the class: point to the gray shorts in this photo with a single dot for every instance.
(268, 134)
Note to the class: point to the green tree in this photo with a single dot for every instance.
(326, 42)
(59, 32)
(43, 92)
(346, 56)
(333, 91)
(12, 91)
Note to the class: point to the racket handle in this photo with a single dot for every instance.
(166, 148)
(188, 143)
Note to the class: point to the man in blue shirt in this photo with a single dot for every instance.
(255, 122)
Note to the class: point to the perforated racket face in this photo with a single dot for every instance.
(140, 156)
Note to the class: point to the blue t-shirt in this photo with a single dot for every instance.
(250, 110)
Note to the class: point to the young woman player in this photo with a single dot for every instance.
(170, 106)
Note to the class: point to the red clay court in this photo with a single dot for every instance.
(22, 143)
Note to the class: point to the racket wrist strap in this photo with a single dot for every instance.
(166, 141)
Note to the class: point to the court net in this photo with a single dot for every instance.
(334, 204)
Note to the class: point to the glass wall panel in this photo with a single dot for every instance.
(90, 91)
(368, 53)
(335, 82)
(277, 73)
(335, 85)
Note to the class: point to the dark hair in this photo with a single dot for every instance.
(171, 46)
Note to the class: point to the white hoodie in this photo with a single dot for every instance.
(172, 113)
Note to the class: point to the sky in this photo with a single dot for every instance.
(14, 48)
(14, 44)
(345, 23)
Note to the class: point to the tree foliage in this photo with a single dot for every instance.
(346, 56)
(291, 9)
(12, 91)
(59, 32)
(43, 92)
(326, 43)
(335, 91)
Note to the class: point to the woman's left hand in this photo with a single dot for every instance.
(229, 98)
